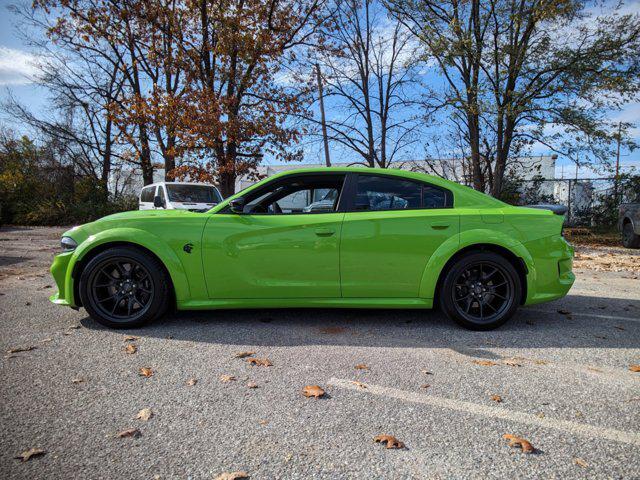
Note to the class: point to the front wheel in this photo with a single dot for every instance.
(124, 287)
(481, 291)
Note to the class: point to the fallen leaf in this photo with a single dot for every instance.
(514, 442)
(313, 391)
(564, 312)
(131, 349)
(593, 369)
(227, 378)
(243, 354)
(232, 475)
(391, 441)
(130, 338)
(32, 452)
(425, 386)
(192, 381)
(540, 362)
(358, 384)
(264, 422)
(634, 368)
(22, 349)
(485, 363)
(496, 398)
(129, 432)
(144, 414)
(512, 363)
(426, 372)
(74, 327)
(619, 327)
(78, 380)
(580, 462)
(145, 372)
(259, 362)
(46, 340)
(252, 385)
(361, 366)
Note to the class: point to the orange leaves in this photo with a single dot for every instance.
(496, 398)
(485, 363)
(227, 378)
(390, 440)
(634, 368)
(130, 349)
(129, 432)
(361, 366)
(145, 372)
(244, 354)
(232, 476)
(191, 382)
(314, 391)
(145, 414)
(259, 362)
(515, 442)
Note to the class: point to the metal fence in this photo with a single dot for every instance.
(591, 202)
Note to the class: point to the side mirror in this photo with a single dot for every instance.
(237, 205)
(157, 202)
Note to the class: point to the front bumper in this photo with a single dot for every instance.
(553, 276)
(62, 276)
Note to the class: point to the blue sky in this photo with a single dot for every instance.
(16, 68)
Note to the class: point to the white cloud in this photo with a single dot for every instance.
(16, 67)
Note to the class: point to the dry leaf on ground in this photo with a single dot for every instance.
(496, 398)
(564, 312)
(130, 338)
(361, 366)
(391, 441)
(313, 391)
(32, 452)
(243, 354)
(131, 349)
(191, 382)
(74, 327)
(232, 476)
(358, 384)
(634, 368)
(426, 372)
(78, 380)
(227, 378)
(252, 385)
(144, 414)
(580, 462)
(425, 386)
(514, 442)
(485, 363)
(259, 362)
(21, 349)
(145, 372)
(512, 363)
(129, 432)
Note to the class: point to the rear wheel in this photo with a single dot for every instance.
(629, 237)
(481, 291)
(123, 287)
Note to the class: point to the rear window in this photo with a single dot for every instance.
(386, 193)
(147, 194)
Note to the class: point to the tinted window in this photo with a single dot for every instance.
(147, 194)
(386, 193)
(433, 197)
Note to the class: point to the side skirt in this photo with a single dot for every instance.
(236, 303)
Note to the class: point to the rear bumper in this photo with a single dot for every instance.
(553, 275)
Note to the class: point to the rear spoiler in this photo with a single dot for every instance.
(557, 209)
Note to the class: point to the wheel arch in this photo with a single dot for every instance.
(143, 242)
(450, 251)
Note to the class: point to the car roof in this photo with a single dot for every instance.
(179, 183)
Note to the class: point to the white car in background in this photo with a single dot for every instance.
(196, 197)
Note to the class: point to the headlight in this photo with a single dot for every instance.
(68, 244)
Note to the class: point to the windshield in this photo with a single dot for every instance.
(193, 194)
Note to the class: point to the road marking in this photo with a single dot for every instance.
(583, 429)
(591, 315)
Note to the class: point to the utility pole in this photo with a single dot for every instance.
(617, 177)
(322, 117)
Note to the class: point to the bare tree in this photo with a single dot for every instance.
(369, 68)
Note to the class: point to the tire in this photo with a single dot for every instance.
(629, 237)
(463, 300)
(124, 287)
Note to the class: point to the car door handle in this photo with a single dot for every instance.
(440, 226)
(325, 232)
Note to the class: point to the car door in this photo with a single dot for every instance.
(392, 227)
(276, 249)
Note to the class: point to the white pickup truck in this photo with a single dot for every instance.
(196, 197)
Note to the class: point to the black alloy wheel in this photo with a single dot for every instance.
(123, 287)
(481, 291)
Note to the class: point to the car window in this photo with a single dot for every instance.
(433, 197)
(295, 195)
(193, 193)
(147, 194)
(386, 193)
(161, 194)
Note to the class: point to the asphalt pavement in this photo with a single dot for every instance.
(561, 372)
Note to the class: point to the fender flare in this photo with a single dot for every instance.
(466, 239)
(137, 237)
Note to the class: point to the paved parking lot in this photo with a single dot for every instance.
(564, 380)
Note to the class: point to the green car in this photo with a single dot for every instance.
(330, 237)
